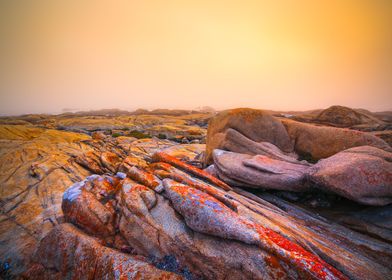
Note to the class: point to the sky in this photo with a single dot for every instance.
(281, 55)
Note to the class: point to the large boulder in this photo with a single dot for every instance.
(362, 174)
(260, 171)
(256, 125)
(319, 142)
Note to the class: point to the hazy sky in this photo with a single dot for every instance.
(278, 54)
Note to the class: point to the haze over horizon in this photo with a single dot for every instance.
(285, 55)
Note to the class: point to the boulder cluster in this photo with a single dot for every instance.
(250, 148)
(160, 217)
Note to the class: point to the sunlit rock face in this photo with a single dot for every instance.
(39, 164)
(319, 142)
(251, 131)
(112, 206)
(208, 231)
(68, 253)
(361, 174)
(257, 125)
(346, 117)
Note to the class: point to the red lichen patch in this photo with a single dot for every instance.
(143, 177)
(198, 198)
(104, 186)
(197, 185)
(161, 165)
(297, 255)
(275, 268)
(281, 247)
(375, 177)
(160, 156)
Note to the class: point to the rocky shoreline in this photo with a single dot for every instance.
(145, 209)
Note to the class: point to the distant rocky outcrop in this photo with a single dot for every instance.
(346, 117)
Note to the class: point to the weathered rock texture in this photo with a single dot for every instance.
(260, 171)
(137, 216)
(217, 234)
(68, 253)
(346, 117)
(320, 142)
(38, 165)
(256, 125)
(251, 131)
(362, 174)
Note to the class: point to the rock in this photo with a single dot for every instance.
(90, 161)
(185, 152)
(145, 178)
(82, 208)
(320, 142)
(110, 161)
(236, 142)
(385, 135)
(260, 171)
(362, 174)
(68, 253)
(374, 221)
(204, 214)
(98, 135)
(267, 239)
(160, 156)
(256, 125)
(346, 117)
(37, 165)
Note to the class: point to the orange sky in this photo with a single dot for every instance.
(281, 55)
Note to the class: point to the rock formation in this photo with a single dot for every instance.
(195, 225)
(112, 207)
(319, 142)
(38, 165)
(346, 117)
(249, 131)
(257, 125)
(362, 174)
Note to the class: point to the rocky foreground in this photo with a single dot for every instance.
(103, 207)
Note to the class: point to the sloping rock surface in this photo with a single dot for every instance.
(38, 165)
(362, 174)
(214, 233)
(68, 253)
(319, 142)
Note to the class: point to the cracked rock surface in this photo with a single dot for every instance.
(213, 233)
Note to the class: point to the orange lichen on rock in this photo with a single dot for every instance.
(205, 214)
(160, 156)
(145, 178)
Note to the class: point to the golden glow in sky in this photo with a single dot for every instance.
(282, 55)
